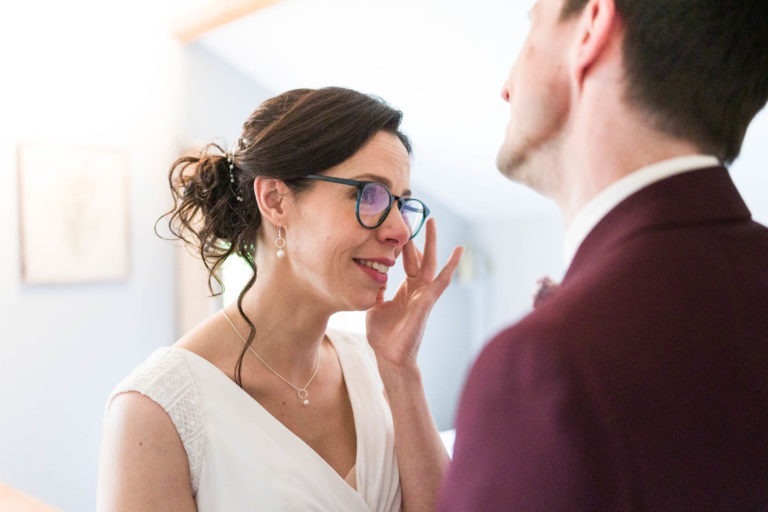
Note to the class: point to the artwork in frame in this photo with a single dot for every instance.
(73, 213)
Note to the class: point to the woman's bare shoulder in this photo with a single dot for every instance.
(143, 462)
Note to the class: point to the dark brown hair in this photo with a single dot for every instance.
(697, 66)
(299, 132)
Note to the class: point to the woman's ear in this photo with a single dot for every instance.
(273, 197)
(597, 26)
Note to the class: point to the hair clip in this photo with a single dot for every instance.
(231, 161)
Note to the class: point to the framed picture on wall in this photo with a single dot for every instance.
(74, 221)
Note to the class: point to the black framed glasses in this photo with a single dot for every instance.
(374, 201)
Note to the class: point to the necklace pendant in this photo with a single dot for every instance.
(303, 395)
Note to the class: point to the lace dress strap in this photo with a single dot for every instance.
(166, 379)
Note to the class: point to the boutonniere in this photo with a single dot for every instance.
(545, 288)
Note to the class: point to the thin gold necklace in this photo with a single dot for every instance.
(302, 392)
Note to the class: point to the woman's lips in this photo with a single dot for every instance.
(376, 270)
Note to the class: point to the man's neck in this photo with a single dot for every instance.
(602, 148)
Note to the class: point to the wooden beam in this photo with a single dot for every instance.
(214, 14)
(12, 499)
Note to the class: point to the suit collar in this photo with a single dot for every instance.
(591, 213)
(702, 196)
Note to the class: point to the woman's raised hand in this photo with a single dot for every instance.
(395, 327)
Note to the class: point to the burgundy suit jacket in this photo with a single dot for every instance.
(642, 382)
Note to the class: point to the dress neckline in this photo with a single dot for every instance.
(275, 423)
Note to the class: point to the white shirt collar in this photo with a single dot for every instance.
(599, 206)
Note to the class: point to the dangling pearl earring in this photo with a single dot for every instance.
(280, 243)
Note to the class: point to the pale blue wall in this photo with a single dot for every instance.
(63, 347)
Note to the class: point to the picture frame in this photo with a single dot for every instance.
(73, 213)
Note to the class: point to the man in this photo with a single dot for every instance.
(641, 382)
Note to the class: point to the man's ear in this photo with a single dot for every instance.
(273, 197)
(597, 26)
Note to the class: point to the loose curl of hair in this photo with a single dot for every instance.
(299, 132)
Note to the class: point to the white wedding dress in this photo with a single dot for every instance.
(241, 458)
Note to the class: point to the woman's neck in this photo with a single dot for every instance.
(289, 328)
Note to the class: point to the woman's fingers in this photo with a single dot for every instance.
(423, 266)
(411, 259)
(443, 279)
(429, 258)
(380, 295)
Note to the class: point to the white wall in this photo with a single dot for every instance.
(446, 348)
(519, 252)
(94, 73)
(218, 98)
(750, 171)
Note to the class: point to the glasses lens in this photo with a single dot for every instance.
(374, 202)
(414, 214)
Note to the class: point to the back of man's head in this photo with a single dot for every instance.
(696, 67)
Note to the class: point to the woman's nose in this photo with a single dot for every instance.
(394, 230)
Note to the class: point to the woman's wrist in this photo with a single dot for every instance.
(405, 372)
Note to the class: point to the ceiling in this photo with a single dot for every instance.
(441, 62)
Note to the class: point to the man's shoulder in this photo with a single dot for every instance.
(553, 331)
(531, 344)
